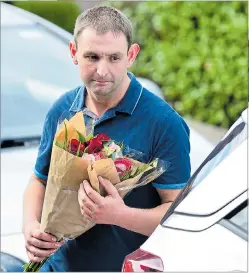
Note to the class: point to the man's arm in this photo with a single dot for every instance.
(112, 209)
(33, 200)
(38, 243)
(145, 221)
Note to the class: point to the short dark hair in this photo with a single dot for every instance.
(103, 19)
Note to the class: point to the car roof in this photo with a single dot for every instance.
(151, 86)
(12, 16)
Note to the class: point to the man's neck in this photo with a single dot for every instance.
(99, 105)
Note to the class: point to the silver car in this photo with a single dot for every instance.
(206, 228)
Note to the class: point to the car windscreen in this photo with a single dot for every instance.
(234, 138)
(36, 68)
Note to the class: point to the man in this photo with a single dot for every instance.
(115, 103)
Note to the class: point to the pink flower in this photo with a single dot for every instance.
(99, 155)
(89, 157)
(122, 165)
(114, 147)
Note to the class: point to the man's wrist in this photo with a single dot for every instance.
(28, 223)
(120, 218)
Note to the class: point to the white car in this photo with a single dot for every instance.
(36, 69)
(206, 228)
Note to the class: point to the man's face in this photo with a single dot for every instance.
(103, 61)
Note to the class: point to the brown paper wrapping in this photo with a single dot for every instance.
(61, 215)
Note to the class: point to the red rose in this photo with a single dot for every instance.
(122, 165)
(103, 137)
(95, 145)
(75, 145)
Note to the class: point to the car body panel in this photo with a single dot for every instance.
(25, 18)
(196, 223)
(15, 245)
(214, 249)
(208, 193)
(16, 168)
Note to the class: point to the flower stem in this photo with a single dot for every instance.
(33, 266)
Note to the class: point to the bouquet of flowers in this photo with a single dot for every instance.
(77, 156)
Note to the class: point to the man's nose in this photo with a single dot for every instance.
(102, 68)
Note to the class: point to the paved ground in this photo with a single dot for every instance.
(212, 133)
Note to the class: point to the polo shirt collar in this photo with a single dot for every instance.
(131, 98)
(79, 101)
(126, 105)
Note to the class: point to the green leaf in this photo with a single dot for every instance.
(89, 137)
(69, 146)
(57, 143)
(107, 143)
(81, 137)
(25, 266)
(120, 144)
(66, 140)
(78, 151)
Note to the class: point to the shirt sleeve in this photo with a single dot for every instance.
(173, 146)
(42, 164)
(57, 113)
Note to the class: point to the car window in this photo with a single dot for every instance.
(36, 70)
(237, 221)
(234, 138)
(241, 219)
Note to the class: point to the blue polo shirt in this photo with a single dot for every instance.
(144, 122)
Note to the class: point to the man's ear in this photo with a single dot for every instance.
(132, 54)
(73, 50)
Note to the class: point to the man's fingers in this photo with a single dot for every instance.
(84, 200)
(43, 236)
(44, 245)
(41, 253)
(87, 213)
(109, 187)
(33, 258)
(92, 194)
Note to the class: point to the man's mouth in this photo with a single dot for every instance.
(101, 82)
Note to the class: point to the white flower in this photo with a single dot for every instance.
(114, 147)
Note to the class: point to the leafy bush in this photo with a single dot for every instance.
(196, 52)
(60, 13)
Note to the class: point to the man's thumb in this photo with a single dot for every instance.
(108, 186)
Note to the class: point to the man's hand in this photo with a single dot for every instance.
(99, 209)
(39, 245)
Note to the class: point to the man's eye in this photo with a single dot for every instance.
(92, 58)
(115, 58)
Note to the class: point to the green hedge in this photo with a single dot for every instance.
(196, 52)
(60, 13)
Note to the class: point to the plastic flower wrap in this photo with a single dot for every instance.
(77, 156)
